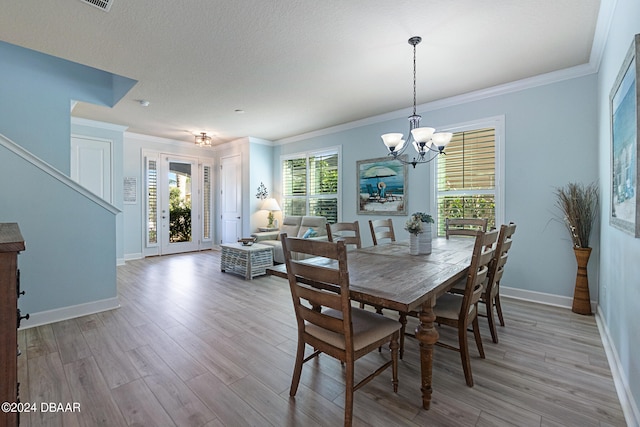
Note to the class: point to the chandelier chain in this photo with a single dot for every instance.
(414, 79)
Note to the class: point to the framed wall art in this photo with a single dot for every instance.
(382, 186)
(623, 100)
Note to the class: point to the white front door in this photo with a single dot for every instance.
(91, 165)
(231, 198)
(179, 204)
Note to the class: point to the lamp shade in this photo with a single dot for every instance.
(270, 205)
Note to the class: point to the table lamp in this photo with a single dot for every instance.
(270, 205)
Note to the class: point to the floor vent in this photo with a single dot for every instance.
(100, 4)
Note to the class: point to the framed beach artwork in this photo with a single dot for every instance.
(624, 99)
(382, 186)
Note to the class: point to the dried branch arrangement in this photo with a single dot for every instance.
(579, 204)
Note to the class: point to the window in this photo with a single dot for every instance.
(310, 184)
(206, 202)
(467, 176)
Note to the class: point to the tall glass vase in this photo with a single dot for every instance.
(413, 244)
(424, 239)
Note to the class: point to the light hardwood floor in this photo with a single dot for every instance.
(192, 346)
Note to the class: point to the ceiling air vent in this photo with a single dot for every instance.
(100, 4)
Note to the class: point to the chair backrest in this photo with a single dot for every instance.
(320, 286)
(381, 229)
(348, 232)
(483, 251)
(496, 268)
(464, 226)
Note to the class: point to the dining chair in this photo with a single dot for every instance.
(381, 229)
(348, 232)
(460, 311)
(464, 226)
(491, 295)
(327, 321)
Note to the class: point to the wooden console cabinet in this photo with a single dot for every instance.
(11, 243)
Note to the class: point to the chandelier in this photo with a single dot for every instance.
(427, 142)
(203, 140)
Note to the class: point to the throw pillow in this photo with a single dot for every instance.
(309, 233)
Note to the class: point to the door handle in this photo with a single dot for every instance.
(238, 217)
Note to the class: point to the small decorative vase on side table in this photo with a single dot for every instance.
(581, 298)
(424, 239)
(413, 244)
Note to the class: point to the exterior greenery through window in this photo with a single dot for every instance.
(466, 177)
(310, 185)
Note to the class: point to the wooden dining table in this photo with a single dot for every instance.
(388, 276)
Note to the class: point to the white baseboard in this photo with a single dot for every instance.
(65, 313)
(119, 261)
(129, 257)
(629, 408)
(541, 297)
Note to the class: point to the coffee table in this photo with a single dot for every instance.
(247, 261)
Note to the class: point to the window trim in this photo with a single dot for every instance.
(311, 153)
(498, 124)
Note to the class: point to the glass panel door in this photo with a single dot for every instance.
(180, 223)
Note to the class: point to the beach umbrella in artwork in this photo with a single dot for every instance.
(378, 172)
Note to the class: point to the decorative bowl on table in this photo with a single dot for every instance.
(247, 241)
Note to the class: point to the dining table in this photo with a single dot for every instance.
(389, 277)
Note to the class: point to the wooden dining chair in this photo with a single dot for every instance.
(381, 229)
(327, 321)
(464, 226)
(460, 311)
(348, 232)
(491, 295)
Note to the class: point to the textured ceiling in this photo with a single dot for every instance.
(297, 66)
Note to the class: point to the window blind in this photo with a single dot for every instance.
(466, 177)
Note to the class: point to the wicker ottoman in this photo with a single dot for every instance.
(247, 261)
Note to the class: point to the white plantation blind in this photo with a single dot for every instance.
(206, 202)
(466, 177)
(310, 184)
(152, 202)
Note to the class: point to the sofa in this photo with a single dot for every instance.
(308, 227)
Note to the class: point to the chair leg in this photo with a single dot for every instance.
(492, 321)
(348, 395)
(464, 355)
(297, 370)
(499, 309)
(478, 338)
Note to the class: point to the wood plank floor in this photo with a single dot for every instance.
(192, 346)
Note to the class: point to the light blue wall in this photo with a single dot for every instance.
(71, 247)
(261, 155)
(550, 140)
(620, 252)
(36, 92)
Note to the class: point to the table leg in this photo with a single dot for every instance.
(427, 335)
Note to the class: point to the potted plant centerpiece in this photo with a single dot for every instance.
(419, 225)
(579, 204)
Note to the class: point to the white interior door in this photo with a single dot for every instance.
(231, 199)
(91, 165)
(179, 204)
